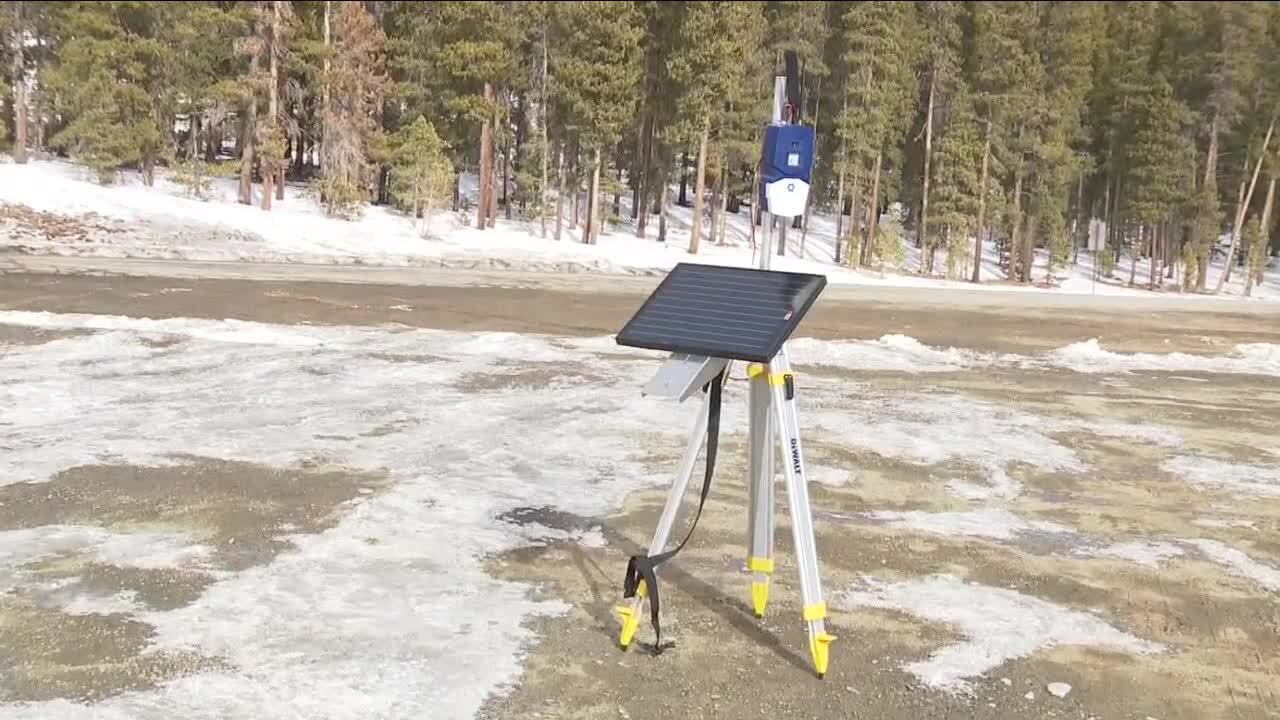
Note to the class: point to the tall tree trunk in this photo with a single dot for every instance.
(1133, 256)
(635, 174)
(873, 213)
(662, 210)
(560, 173)
(507, 155)
(270, 168)
(724, 203)
(922, 227)
(839, 214)
(193, 143)
(249, 128)
(982, 206)
(591, 230)
(1205, 247)
(699, 186)
(546, 149)
(486, 160)
(717, 190)
(852, 245)
(643, 181)
(1252, 275)
(1028, 253)
(1152, 245)
(683, 200)
(280, 181)
(617, 188)
(1243, 208)
(19, 87)
(300, 158)
(1079, 220)
(325, 128)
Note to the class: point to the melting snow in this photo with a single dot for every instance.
(999, 625)
(1142, 552)
(1090, 357)
(994, 523)
(1238, 563)
(1210, 474)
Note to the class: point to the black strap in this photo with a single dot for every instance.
(644, 567)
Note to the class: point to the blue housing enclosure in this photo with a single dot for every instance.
(788, 153)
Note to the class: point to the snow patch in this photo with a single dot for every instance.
(143, 550)
(891, 352)
(1090, 357)
(999, 625)
(993, 523)
(1210, 474)
(1238, 563)
(121, 603)
(389, 612)
(1142, 552)
(1225, 523)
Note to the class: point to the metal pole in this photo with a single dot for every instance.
(760, 437)
(766, 219)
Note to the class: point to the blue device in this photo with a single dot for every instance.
(786, 167)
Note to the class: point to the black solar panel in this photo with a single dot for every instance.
(725, 312)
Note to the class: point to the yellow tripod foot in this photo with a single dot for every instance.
(630, 618)
(760, 597)
(819, 648)
(630, 623)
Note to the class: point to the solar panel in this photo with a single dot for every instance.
(725, 312)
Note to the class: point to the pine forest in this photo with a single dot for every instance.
(1135, 130)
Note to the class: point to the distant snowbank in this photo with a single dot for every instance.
(164, 222)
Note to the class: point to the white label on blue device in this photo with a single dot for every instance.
(793, 159)
(786, 197)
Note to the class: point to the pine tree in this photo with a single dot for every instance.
(939, 21)
(881, 59)
(706, 66)
(596, 66)
(473, 55)
(421, 174)
(204, 92)
(355, 86)
(1070, 33)
(1156, 159)
(955, 188)
(1007, 76)
(16, 31)
(111, 81)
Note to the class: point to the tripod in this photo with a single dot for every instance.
(773, 405)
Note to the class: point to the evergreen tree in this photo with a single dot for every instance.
(112, 79)
(939, 22)
(473, 55)
(13, 29)
(421, 174)
(1157, 163)
(881, 57)
(955, 188)
(1007, 76)
(706, 66)
(355, 86)
(596, 66)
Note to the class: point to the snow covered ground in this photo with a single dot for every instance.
(391, 611)
(164, 222)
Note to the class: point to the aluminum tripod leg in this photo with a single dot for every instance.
(760, 468)
(629, 613)
(815, 608)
